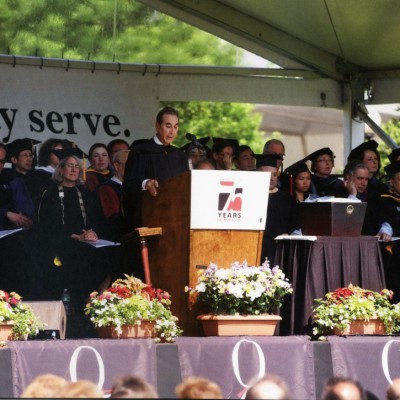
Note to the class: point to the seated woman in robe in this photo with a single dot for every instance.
(69, 215)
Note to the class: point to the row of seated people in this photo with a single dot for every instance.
(59, 213)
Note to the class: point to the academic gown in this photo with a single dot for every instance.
(329, 186)
(69, 263)
(281, 218)
(148, 160)
(389, 211)
(18, 264)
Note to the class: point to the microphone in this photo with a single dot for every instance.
(193, 139)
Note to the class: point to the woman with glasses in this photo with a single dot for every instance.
(324, 183)
(68, 217)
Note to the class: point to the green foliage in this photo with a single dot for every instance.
(339, 308)
(129, 302)
(241, 289)
(392, 128)
(85, 30)
(224, 120)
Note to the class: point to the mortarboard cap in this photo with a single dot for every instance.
(357, 154)
(267, 160)
(392, 169)
(394, 155)
(220, 143)
(297, 168)
(325, 150)
(73, 151)
(18, 145)
(190, 145)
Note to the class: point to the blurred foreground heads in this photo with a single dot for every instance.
(269, 387)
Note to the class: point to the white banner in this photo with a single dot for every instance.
(79, 105)
(229, 199)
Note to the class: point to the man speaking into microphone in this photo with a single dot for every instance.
(150, 162)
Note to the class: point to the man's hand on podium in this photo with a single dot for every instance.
(152, 186)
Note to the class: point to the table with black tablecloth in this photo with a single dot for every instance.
(317, 267)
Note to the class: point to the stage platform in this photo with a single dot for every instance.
(230, 361)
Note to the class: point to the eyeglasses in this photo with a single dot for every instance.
(327, 160)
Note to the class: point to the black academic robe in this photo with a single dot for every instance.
(281, 218)
(68, 263)
(329, 186)
(148, 160)
(389, 211)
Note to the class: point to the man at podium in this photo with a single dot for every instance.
(151, 161)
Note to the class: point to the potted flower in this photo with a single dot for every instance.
(243, 294)
(17, 319)
(131, 308)
(353, 310)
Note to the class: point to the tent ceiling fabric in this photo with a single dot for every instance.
(341, 39)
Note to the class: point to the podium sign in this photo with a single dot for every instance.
(234, 200)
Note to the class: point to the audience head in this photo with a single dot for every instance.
(245, 160)
(394, 155)
(132, 387)
(299, 178)
(268, 163)
(167, 125)
(116, 145)
(81, 389)
(68, 169)
(393, 391)
(44, 386)
(198, 388)
(322, 162)
(393, 173)
(46, 156)
(224, 152)
(275, 146)
(367, 153)
(338, 388)
(204, 163)
(98, 157)
(269, 387)
(358, 174)
(118, 163)
(20, 153)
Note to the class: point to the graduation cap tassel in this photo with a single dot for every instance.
(84, 168)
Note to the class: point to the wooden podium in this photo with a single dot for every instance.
(176, 256)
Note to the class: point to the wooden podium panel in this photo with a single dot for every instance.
(176, 255)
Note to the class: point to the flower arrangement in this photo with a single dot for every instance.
(241, 289)
(129, 301)
(12, 311)
(344, 305)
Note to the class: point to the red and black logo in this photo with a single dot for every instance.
(230, 201)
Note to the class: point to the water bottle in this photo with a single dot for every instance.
(66, 299)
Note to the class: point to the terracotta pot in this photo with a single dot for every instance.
(144, 330)
(363, 327)
(239, 325)
(6, 332)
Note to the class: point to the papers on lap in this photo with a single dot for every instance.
(296, 237)
(9, 232)
(101, 243)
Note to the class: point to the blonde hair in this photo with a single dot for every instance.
(81, 389)
(198, 388)
(44, 386)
